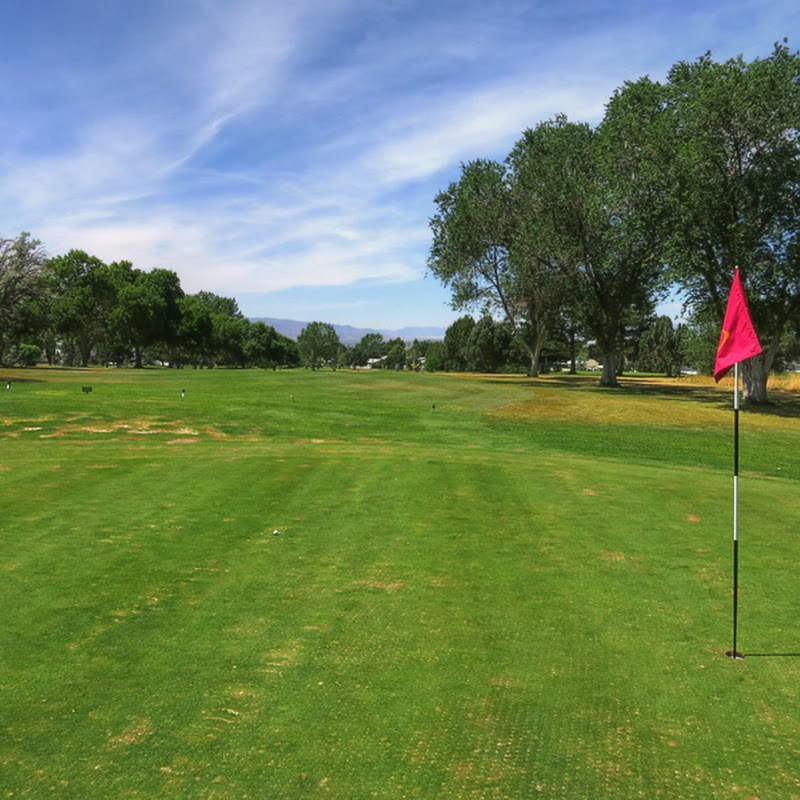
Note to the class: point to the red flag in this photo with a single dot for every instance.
(738, 340)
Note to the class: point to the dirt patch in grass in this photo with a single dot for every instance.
(283, 657)
(133, 735)
(213, 433)
(381, 586)
(130, 429)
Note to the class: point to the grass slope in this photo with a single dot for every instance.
(522, 592)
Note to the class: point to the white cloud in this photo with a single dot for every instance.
(254, 146)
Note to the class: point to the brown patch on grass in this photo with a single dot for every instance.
(589, 492)
(692, 518)
(228, 720)
(282, 658)
(384, 587)
(136, 609)
(613, 555)
(214, 433)
(181, 441)
(694, 402)
(133, 735)
(131, 428)
(506, 683)
(4, 468)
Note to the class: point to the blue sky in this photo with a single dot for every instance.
(287, 153)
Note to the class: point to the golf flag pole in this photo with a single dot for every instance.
(734, 653)
(737, 342)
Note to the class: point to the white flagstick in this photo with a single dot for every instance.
(734, 653)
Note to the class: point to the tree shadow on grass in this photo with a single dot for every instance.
(782, 403)
(15, 379)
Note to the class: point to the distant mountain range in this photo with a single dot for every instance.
(350, 335)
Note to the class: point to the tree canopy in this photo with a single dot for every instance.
(680, 183)
(318, 345)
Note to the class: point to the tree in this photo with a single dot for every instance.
(433, 356)
(455, 352)
(21, 262)
(84, 295)
(395, 354)
(722, 142)
(700, 340)
(564, 229)
(371, 345)
(482, 251)
(148, 307)
(549, 170)
(212, 330)
(588, 219)
(195, 332)
(318, 344)
(263, 348)
(286, 352)
(231, 336)
(660, 348)
(487, 345)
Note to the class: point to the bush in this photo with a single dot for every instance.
(26, 355)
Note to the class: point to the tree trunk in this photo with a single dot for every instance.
(609, 376)
(573, 356)
(137, 357)
(755, 372)
(86, 352)
(535, 355)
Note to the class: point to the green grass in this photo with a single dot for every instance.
(524, 592)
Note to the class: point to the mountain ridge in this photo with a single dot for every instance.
(349, 334)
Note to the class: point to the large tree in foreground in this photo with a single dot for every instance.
(724, 148)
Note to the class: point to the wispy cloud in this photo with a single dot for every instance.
(255, 147)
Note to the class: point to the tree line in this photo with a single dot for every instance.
(582, 230)
(76, 310)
